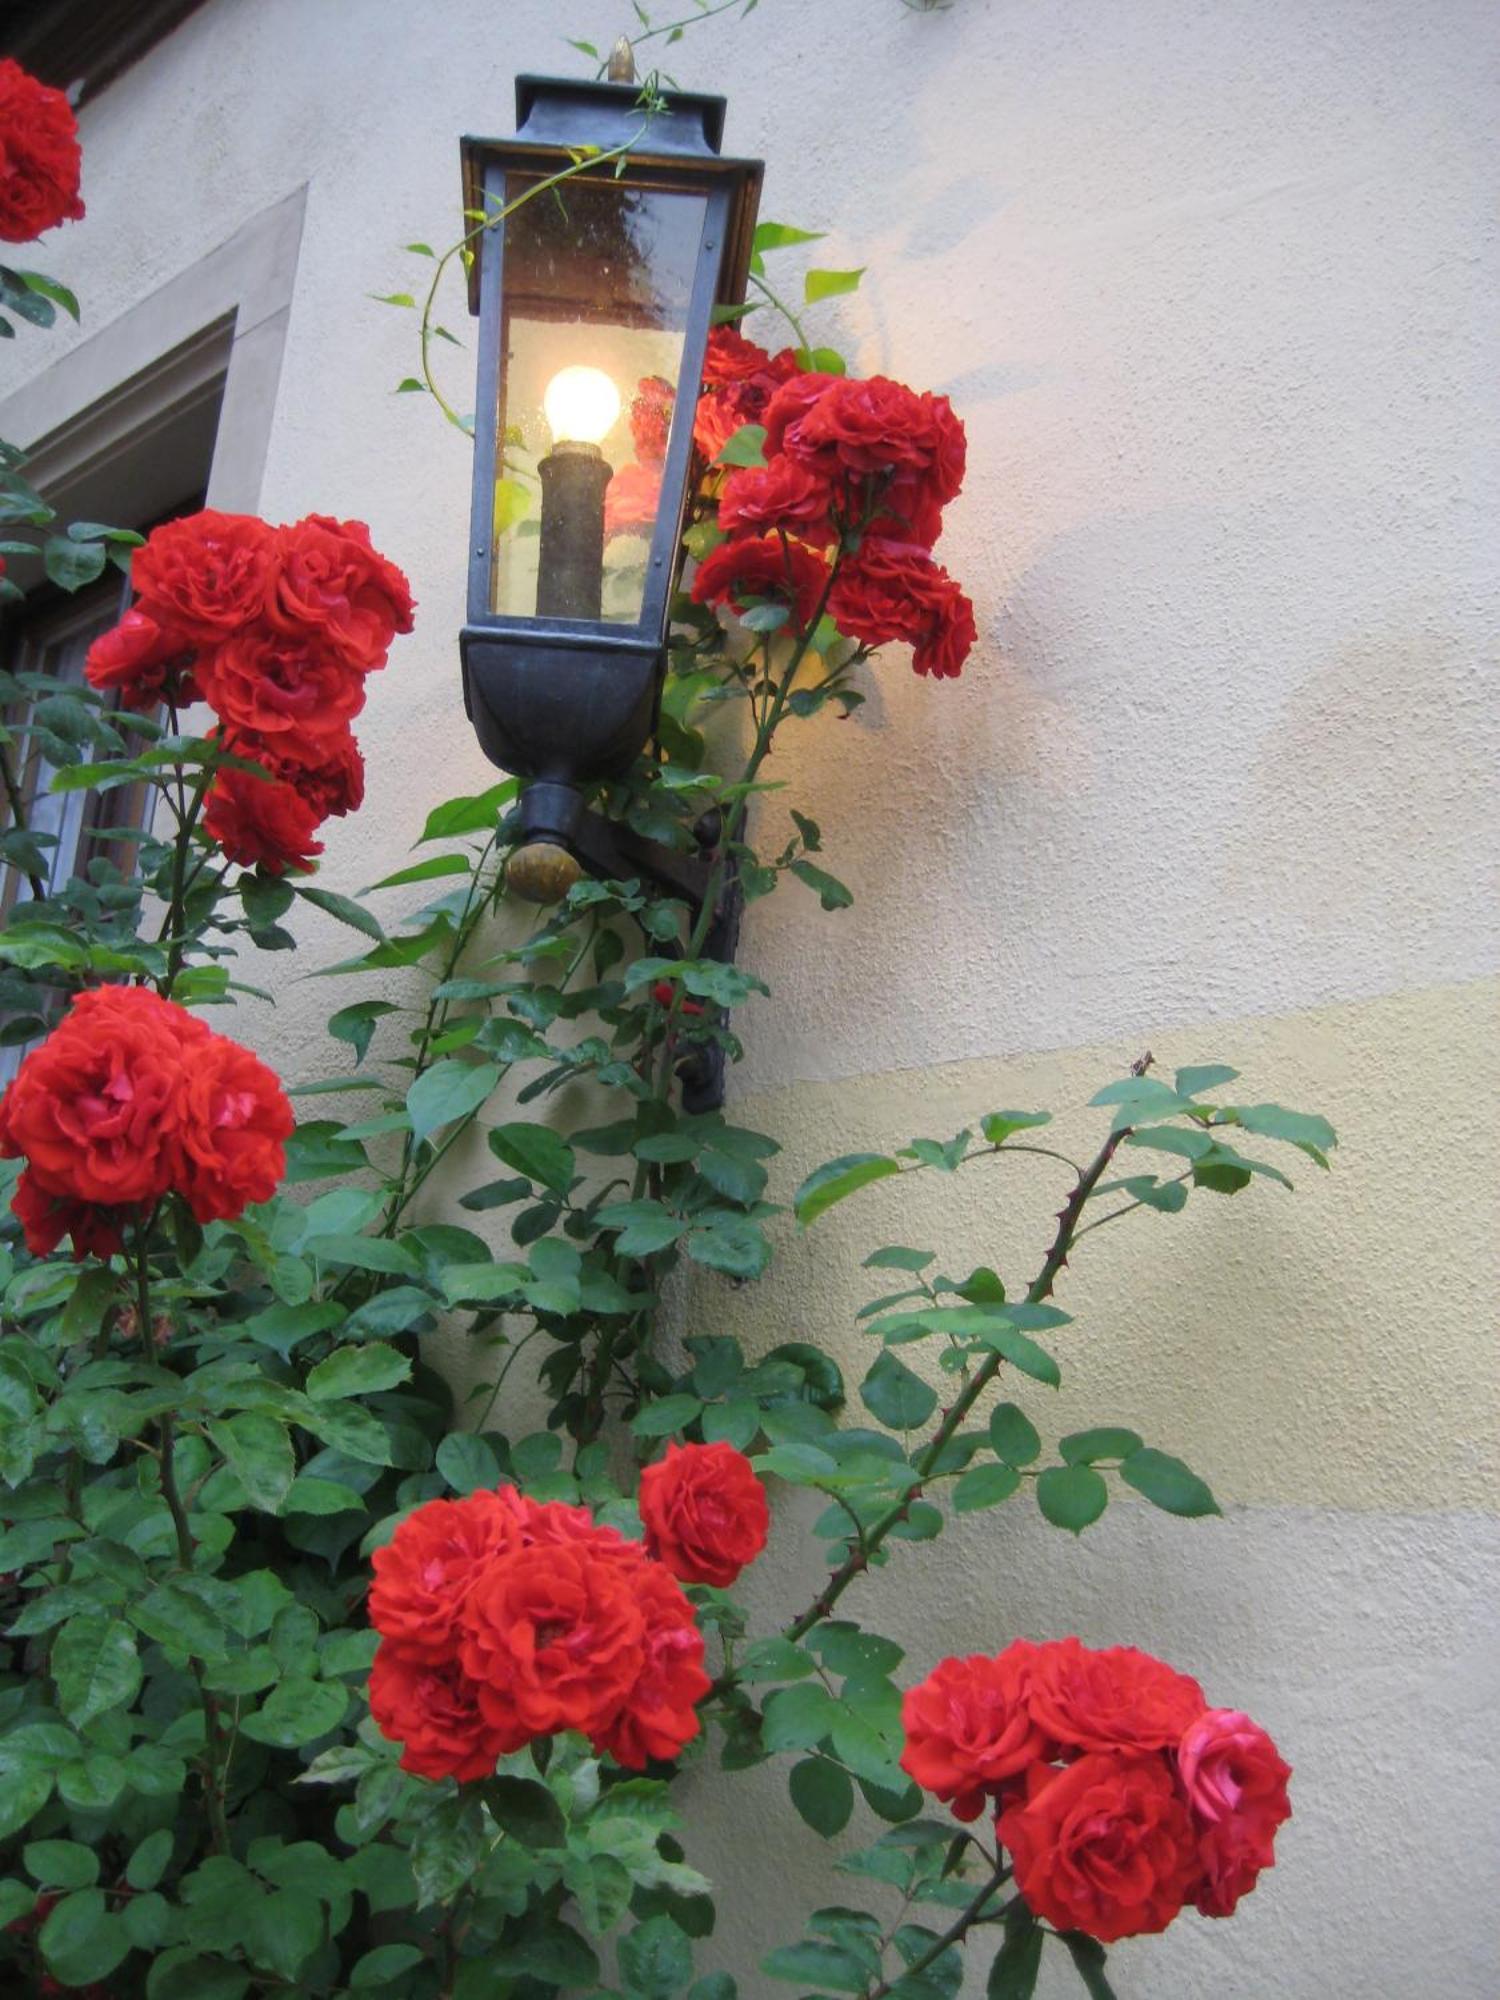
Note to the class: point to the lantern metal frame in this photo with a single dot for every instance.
(564, 703)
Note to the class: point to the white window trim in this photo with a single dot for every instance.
(75, 413)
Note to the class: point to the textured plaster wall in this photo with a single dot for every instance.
(1213, 288)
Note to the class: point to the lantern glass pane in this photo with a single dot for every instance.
(595, 289)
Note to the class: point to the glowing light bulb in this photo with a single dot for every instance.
(582, 405)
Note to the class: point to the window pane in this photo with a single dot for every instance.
(595, 289)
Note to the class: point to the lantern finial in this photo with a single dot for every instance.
(621, 67)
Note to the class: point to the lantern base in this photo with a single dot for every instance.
(539, 872)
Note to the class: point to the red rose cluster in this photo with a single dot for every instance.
(503, 1619)
(131, 1097)
(276, 629)
(40, 159)
(633, 495)
(1119, 1792)
(860, 469)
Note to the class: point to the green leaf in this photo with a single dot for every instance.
(526, 1811)
(656, 1959)
(1071, 1496)
(62, 1864)
(22, 1796)
(356, 1024)
(424, 871)
(825, 1965)
(1309, 1134)
(449, 1090)
(80, 1941)
(49, 288)
(283, 1327)
(1089, 1957)
(781, 235)
(1192, 1082)
(258, 1451)
(895, 1396)
(467, 1463)
(95, 1666)
(999, 1125)
(985, 1486)
(1013, 1436)
(358, 1371)
(384, 1965)
(745, 447)
(344, 908)
(1013, 1974)
(148, 1863)
(535, 1151)
(1167, 1483)
(830, 284)
(645, 1226)
(1107, 1441)
(823, 1794)
(1023, 1353)
(832, 893)
(297, 1711)
(71, 565)
(666, 1415)
(895, 1257)
(365, 1253)
(838, 1178)
(476, 813)
(798, 1718)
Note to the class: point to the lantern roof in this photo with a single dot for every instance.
(557, 115)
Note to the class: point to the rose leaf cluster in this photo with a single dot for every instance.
(1119, 1793)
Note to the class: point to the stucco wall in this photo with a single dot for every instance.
(1213, 289)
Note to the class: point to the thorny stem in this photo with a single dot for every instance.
(784, 309)
(214, 1767)
(972, 1913)
(18, 816)
(1040, 1288)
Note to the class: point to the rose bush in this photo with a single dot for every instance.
(314, 1681)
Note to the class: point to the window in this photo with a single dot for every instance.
(167, 409)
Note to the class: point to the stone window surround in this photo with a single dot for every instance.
(168, 350)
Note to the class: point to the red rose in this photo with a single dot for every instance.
(660, 1713)
(261, 823)
(704, 1511)
(46, 1219)
(968, 1728)
(754, 569)
(1114, 1699)
(1104, 1846)
(781, 494)
(296, 694)
(95, 1110)
(235, 1122)
(876, 430)
(651, 418)
(328, 583)
(553, 1639)
(332, 787)
(424, 1573)
(739, 381)
(793, 399)
(895, 591)
(40, 158)
(434, 1712)
(631, 500)
(146, 663)
(204, 576)
(1236, 1785)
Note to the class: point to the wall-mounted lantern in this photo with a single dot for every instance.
(595, 298)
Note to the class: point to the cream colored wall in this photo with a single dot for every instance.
(1213, 289)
